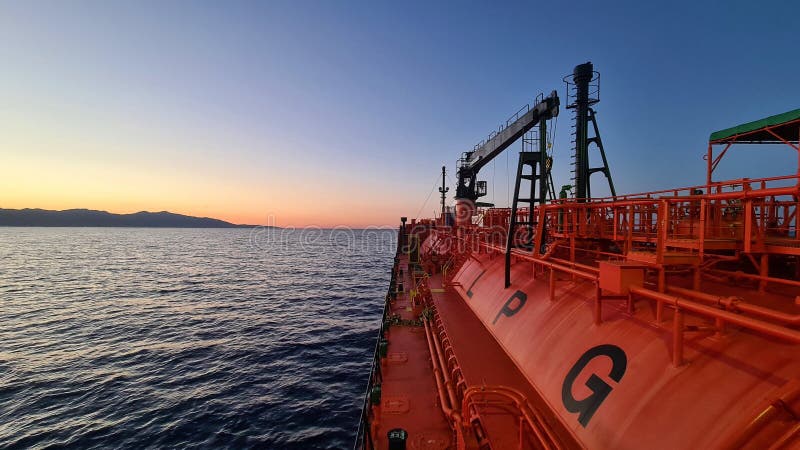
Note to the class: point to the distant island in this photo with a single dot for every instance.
(93, 218)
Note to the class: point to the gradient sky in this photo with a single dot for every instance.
(331, 113)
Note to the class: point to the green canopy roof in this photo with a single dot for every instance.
(786, 125)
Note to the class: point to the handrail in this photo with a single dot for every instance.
(363, 434)
(513, 118)
(739, 182)
(763, 220)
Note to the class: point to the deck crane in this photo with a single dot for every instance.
(469, 189)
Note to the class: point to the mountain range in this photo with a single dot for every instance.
(92, 218)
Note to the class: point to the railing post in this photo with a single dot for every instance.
(662, 228)
(719, 324)
(662, 287)
(631, 222)
(747, 235)
(677, 338)
(696, 277)
(702, 234)
(598, 305)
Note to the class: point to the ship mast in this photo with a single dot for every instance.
(444, 190)
(583, 91)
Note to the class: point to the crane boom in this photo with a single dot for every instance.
(473, 161)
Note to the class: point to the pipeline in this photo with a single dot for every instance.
(791, 393)
(452, 414)
(737, 304)
(575, 265)
(760, 326)
(787, 438)
(528, 257)
(448, 382)
(595, 252)
(559, 267)
(739, 274)
(546, 438)
(766, 313)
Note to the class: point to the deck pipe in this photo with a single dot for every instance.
(448, 382)
(537, 424)
(738, 304)
(523, 255)
(749, 276)
(726, 316)
(449, 411)
(767, 328)
(750, 428)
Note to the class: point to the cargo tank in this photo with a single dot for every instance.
(667, 319)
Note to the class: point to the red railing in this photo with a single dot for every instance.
(736, 220)
(752, 216)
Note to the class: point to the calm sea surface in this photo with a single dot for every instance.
(183, 338)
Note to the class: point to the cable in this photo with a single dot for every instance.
(508, 186)
(435, 182)
(552, 151)
(552, 137)
(454, 183)
(494, 170)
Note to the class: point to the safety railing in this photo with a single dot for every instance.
(719, 187)
(514, 117)
(749, 221)
(593, 93)
(748, 215)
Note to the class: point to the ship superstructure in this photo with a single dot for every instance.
(666, 319)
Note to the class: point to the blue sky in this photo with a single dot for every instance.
(343, 112)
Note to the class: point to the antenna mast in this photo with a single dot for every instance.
(583, 91)
(444, 190)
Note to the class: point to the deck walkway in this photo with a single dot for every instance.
(484, 362)
(409, 396)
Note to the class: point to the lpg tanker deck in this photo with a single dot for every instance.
(660, 320)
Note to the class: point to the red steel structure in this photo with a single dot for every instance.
(662, 320)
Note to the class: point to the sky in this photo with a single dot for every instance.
(342, 113)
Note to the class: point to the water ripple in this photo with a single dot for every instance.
(141, 338)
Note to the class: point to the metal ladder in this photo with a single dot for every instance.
(540, 185)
